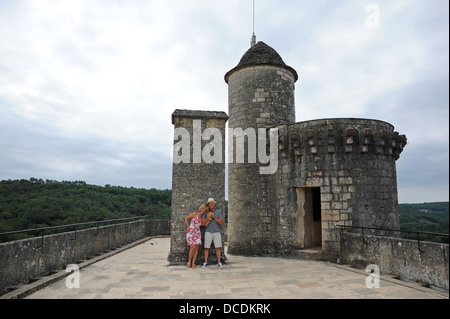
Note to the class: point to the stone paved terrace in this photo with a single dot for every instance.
(142, 271)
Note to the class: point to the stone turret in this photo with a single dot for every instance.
(328, 172)
(319, 174)
(260, 95)
(261, 89)
(335, 171)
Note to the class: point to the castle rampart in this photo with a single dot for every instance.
(408, 260)
(328, 173)
(329, 170)
(23, 260)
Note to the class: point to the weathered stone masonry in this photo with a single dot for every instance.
(329, 171)
(23, 260)
(193, 183)
(260, 95)
(351, 162)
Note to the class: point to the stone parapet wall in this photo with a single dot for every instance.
(425, 262)
(22, 260)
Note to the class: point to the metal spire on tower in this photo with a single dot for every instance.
(253, 40)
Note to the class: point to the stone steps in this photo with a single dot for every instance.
(314, 253)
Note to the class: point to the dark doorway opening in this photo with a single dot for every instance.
(308, 218)
(316, 203)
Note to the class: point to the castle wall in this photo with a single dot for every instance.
(197, 177)
(426, 262)
(326, 171)
(259, 97)
(23, 260)
(353, 163)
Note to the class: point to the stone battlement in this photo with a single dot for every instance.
(344, 136)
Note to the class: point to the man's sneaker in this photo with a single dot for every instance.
(220, 265)
(205, 264)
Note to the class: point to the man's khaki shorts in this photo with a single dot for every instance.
(209, 237)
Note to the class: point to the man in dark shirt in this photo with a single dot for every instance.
(212, 231)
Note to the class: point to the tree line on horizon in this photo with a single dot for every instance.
(37, 203)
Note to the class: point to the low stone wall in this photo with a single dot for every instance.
(23, 260)
(399, 257)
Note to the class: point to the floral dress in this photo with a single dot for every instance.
(194, 236)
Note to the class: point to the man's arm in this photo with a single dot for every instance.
(219, 220)
(205, 221)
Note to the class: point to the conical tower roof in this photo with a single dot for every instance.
(260, 54)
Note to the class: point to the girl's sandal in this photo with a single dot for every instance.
(194, 266)
(188, 265)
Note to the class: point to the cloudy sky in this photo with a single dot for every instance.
(87, 87)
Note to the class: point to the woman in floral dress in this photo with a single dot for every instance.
(193, 234)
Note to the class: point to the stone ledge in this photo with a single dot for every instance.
(198, 114)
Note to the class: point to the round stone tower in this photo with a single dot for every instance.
(260, 96)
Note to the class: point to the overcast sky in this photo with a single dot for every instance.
(87, 87)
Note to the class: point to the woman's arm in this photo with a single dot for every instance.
(186, 220)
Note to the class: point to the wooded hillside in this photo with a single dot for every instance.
(36, 203)
(426, 217)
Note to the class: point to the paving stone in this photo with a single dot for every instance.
(144, 272)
